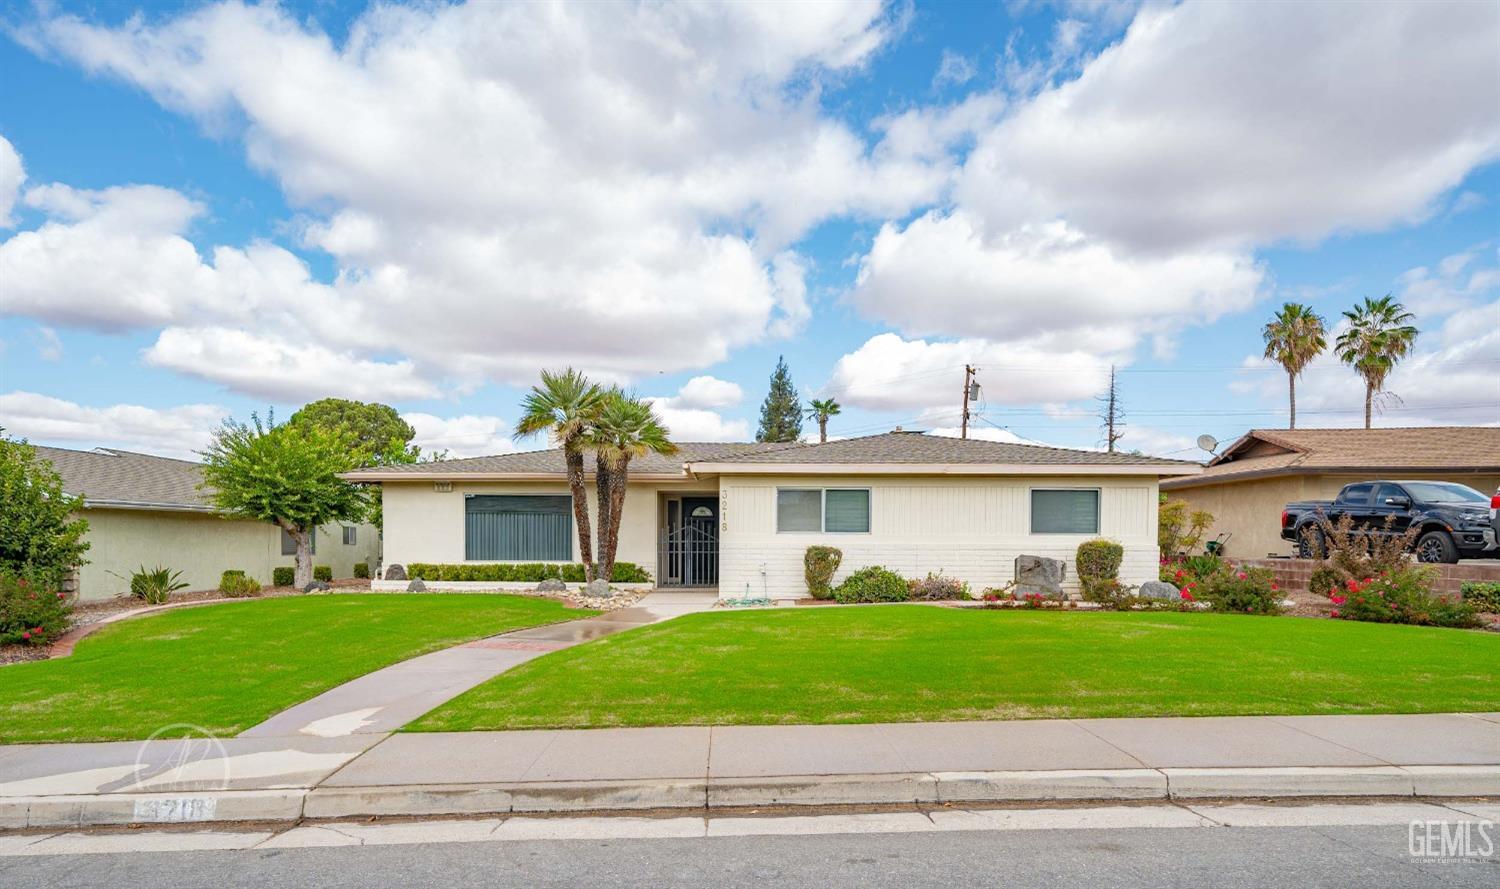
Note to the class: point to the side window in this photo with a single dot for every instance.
(289, 543)
(351, 535)
(1356, 495)
(1385, 494)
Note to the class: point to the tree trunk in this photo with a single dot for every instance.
(1291, 384)
(822, 430)
(1369, 395)
(574, 459)
(617, 482)
(302, 573)
(607, 521)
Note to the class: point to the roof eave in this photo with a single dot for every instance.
(146, 505)
(1253, 474)
(719, 468)
(376, 476)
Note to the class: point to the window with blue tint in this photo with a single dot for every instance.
(518, 527)
(1065, 511)
(846, 511)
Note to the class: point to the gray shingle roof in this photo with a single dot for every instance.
(917, 448)
(113, 476)
(551, 460)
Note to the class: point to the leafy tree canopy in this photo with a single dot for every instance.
(781, 413)
(376, 430)
(39, 537)
(287, 475)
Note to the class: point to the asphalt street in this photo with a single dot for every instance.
(1218, 858)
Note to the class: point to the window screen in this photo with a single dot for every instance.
(847, 511)
(526, 528)
(799, 509)
(1065, 512)
(351, 535)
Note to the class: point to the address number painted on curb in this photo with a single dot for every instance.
(178, 810)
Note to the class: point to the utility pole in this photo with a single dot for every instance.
(971, 390)
(1113, 416)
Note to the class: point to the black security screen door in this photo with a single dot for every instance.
(690, 544)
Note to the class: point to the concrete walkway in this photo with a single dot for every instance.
(289, 778)
(384, 701)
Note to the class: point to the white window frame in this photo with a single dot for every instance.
(823, 507)
(1098, 511)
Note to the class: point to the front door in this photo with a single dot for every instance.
(690, 543)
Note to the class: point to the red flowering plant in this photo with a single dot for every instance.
(31, 613)
(1246, 591)
(1402, 596)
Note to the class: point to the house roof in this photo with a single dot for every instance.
(1271, 452)
(109, 477)
(892, 451)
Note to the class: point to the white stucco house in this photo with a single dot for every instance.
(738, 517)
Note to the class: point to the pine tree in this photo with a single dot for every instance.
(781, 414)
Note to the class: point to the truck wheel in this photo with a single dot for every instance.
(1436, 547)
(1310, 544)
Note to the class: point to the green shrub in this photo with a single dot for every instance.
(520, 572)
(1248, 591)
(226, 579)
(872, 584)
(1325, 580)
(1098, 564)
(937, 588)
(31, 613)
(156, 585)
(361, 571)
(238, 586)
(1484, 595)
(41, 537)
(323, 573)
(1403, 596)
(819, 564)
(283, 576)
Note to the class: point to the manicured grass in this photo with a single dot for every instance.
(912, 663)
(227, 667)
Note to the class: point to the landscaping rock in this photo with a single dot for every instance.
(551, 585)
(316, 586)
(1039, 574)
(597, 589)
(1157, 589)
(416, 586)
(395, 572)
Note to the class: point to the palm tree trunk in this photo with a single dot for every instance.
(602, 480)
(580, 510)
(617, 483)
(1291, 383)
(822, 429)
(1369, 395)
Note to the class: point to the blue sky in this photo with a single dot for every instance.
(226, 208)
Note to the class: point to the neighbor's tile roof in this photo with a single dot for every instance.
(113, 476)
(551, 460)
(918, 448)
(1286, 451)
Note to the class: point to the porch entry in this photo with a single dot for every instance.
(688, 554)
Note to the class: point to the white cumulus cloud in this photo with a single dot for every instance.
(169, 432)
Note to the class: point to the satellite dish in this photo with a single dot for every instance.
(1208, 443)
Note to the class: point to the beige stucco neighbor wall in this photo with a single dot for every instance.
(201, 546)
(1251, 510)
(971, 528)
(425, 525)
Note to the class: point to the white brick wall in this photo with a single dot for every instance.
(970, 528)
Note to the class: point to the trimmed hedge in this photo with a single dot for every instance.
(521, 572)
(819, 564)
(283, 576)
(872, 584)
(361, 570)
(323, 573)
(1098, 565)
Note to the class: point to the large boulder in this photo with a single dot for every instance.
(395, 572)
(416, 586)
(1039, 574)
(598, 589)
(1156, 589)
(317, 586)
(551, 585)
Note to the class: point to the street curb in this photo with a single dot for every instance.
(1102, 785)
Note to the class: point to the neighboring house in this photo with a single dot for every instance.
(739, 517)
(1246, 486)
(148, 510)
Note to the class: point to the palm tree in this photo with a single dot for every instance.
(624, 428)
(564, 405)
(821, 411)
(1377, 338)
(1294, 337)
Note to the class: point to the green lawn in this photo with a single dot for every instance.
(906, 663)
(227, 667)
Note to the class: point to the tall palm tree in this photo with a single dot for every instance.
(625, 428)
(821, 411)
(1294, 337)
(1377, 338)
(564, 405)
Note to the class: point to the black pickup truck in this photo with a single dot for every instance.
(1452, 521)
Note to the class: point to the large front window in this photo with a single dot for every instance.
(518, 528)
(830, 510)
(1065, 511)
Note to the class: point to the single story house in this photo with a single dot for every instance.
(739, 517)
(1247, 484)
(149, 510)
